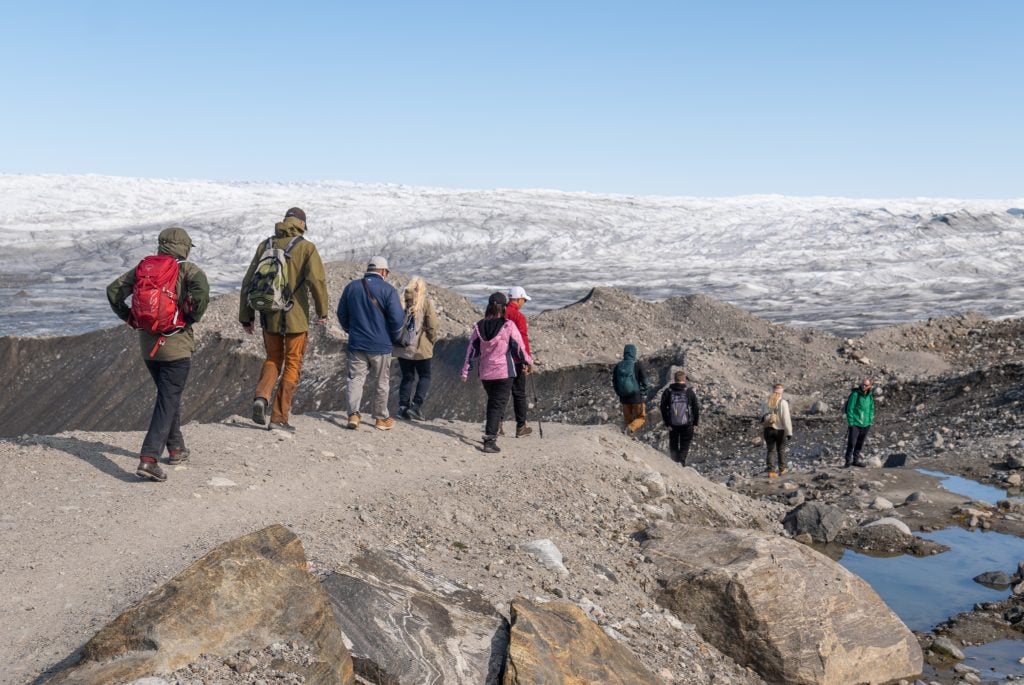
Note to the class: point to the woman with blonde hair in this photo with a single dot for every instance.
(414, 359)
(778, 429)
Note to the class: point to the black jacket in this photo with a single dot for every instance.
(666, 404)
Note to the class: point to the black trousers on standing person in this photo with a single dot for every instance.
(855, 438)
(411, 368)
(775, 440)
(165, 424)
(497, 399)
(519, 403)
(679, 439)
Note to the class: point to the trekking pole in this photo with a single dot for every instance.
(533, 390)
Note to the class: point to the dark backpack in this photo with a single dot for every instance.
(410, 334)
(155, 298)
(624, 379)
(679, 408)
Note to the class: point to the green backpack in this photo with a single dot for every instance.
(624, 379)
(269, 289)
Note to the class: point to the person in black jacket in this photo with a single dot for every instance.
(680, 411)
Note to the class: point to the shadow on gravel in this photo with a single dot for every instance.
(95, 454)
(448, 432)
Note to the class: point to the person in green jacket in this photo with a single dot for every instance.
(285, 334)
(168, 358)
(860, 414)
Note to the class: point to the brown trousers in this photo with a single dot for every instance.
(635, 416)
(287, 352)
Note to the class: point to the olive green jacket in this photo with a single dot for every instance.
(305, 276)
(193, 297)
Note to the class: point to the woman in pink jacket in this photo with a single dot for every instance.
(497, 345)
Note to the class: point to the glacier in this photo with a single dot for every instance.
(843, 265)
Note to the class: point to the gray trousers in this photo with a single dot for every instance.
(376, 368)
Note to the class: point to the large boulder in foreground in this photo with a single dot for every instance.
(557, 644)
(788, 612)
(405, 626)
(245, 594)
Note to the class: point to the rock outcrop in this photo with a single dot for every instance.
(823, 522)
(407, 627)
(557, 643)
(247, 593)
(781, 608)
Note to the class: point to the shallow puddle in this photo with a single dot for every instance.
(996, 660)
(968, 488)
(924, 591)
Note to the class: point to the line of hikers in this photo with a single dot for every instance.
(168, 294)
(680, 413)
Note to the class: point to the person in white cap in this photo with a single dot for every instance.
(370, 311)
(517, 297)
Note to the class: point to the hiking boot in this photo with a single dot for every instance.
(501, 429)
(281, 426)
(523, 431)
(415, 414)
(491, 446)
(847, 464)
(150, 470)
(385, 424)
(259, 411)
(353, 421)
(179, 456)
(403, 413)
(783, 471)
(773, 474)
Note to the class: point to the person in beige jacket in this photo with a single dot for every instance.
(414, 360)
(778, 429)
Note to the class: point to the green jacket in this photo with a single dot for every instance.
(193, 297)
(305, 276)
(860, 408)
(429, 332)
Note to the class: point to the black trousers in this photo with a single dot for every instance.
(855, 438)
(775, 440)
(165, 424)
(497, 399)
(411, 368)
(679, 439)
(519, 403)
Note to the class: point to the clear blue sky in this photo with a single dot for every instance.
(889, 98)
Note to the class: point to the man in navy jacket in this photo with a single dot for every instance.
(370, 312)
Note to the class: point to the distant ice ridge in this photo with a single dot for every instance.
(839, 264)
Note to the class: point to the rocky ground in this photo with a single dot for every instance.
(87, 539)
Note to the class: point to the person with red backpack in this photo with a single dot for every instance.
(168, 295)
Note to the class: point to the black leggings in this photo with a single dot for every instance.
(497, 399)
(775, 440)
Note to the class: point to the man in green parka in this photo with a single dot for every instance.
(168, 358)
(285, 333)
(860, 414)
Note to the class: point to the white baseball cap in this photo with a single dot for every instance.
(516, 293)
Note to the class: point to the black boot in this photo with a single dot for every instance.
(491, 445)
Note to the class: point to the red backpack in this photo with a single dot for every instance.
(155, 298)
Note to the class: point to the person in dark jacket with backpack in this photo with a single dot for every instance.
(680, 411)
(285, 331)
(630, 385)
(370, 312)
(168, 357)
